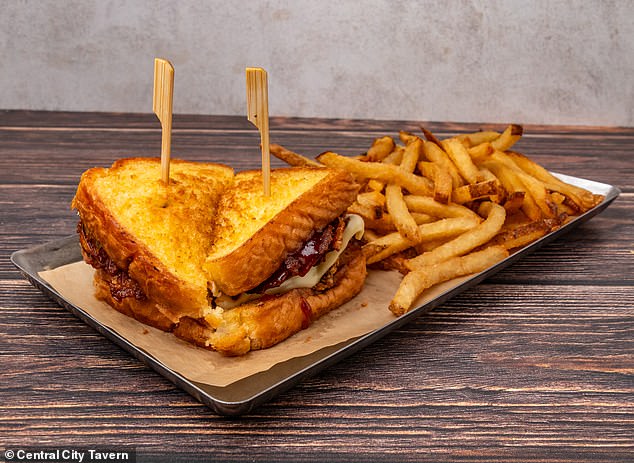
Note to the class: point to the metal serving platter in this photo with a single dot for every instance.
(244, 395)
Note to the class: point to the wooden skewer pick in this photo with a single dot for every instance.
(162, 107)
(258, 115)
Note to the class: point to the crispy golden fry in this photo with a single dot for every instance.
(466, 242)
(375, 185)
(407, 137)
(480, 151)
(395, 242)
(415, 184)
(430, 245)
(380, 148)
(428, 205)
(371, 199)
(533, 186)
(514, 186)
(395, 157)
(538, 191)
(440, 177)
(411, 155)
(292, 158)
(393, 262)
(437, 155)
(583, 198)
(514, 201)
(462, 160)
(471, 192)
(396, 206)
(501, 194)
(370, 235)
(403, 220)
(417, 281)
(430, 137)
(509, 137)
(521, 235)
(479, 138)
(385, 224)
(365, 211)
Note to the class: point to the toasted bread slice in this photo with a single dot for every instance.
(159, 234)
(255, 233)
(265, 322)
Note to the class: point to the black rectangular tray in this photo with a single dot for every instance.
(242, 396)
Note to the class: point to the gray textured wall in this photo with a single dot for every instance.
(503, 61)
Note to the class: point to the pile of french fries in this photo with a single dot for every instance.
(437, 209)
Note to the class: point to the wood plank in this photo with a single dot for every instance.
(535, 364)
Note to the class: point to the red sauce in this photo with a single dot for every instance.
(308, 313)
(301, 261)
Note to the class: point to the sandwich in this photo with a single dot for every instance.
(212, 260)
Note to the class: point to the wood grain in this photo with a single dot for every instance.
(535, 364)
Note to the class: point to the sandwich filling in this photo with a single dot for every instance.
(119, 281)
(307, 267)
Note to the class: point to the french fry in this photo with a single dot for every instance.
(538, 191)
(466, 242)
(583, 198)
(367, 212)
(440, 177)
(417, 281)
(430, 137)
(514, 201)
(471, 192)
(395, 157)
(462, 160)
(407, 137)
(401, 216)
(437, 155)
(514, 186)
(371, 199)
(480, 151)
(534, 187)
(370, 235)
(428, 205)
(292, 158)
(479, 138)
(508, 138)
(395, 242)
(415, 184)
(385, 224)
(521, 235)
(375, 185)
(411, 155)
(380, 148)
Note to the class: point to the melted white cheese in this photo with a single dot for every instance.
(354, 228)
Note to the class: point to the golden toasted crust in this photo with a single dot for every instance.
(158, 233)
(237, 265)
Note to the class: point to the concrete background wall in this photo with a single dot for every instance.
(569, 62)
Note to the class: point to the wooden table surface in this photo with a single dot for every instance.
(534, 364)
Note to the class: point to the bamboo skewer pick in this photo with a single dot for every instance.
(162, 107)
(258, 115)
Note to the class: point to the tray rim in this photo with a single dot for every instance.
(29, 262)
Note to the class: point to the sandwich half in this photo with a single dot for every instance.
(211, 259)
